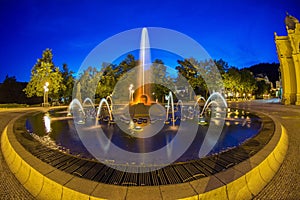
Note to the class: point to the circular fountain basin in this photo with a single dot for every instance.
(239, 127)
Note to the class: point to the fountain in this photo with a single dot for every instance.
(81, 110)
(104, 101)
(131, 130)
(84, 114)
(89, 107)
(71, 105)
(135, 120)
(170, 98)
(234, 123)
(88, 100)
(145, 61)
(198, 100)
(210, 102)
(111, 102)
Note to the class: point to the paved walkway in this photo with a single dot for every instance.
(10, 188)
(285, 184)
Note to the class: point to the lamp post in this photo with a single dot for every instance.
(46, 89)
(131, 91)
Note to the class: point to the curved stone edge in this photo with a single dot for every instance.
(243, 181)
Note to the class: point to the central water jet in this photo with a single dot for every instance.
(144, 55)
(139, 107)
(144, 74)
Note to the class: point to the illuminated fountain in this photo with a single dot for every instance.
(72, 105)
(198, 100)
(140, 104)
(139, 125)
(169, 98)
(108, 98)
(145, 61)
(89, 112)
(143, 73)
(88, 100)
(89, 108)
(218, 107)
(143, 118)
(192, 113)
(104, 101)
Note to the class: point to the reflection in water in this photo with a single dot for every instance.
(47, 122)
(57, 131)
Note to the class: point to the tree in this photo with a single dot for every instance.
(190, 70)
(210, 71)
(67, 84)
(247, 82)
(262, 88)
(127, 64)
(231, 80)
(160, 78)
(12, 92)
(108, 79)
(9, 90)
(202, 76)
(44, 71)
(221, 65)
(87, 83)
(111, 74)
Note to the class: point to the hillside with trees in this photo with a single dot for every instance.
(269, 69)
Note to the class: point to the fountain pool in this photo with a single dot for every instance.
(130, 128)
(57, 130)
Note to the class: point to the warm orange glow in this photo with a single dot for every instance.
(139, 97)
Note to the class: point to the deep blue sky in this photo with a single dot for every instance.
(240, 32)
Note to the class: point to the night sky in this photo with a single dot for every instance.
(238, 31)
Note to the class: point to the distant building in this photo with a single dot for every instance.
(288, 50)
(263, 77)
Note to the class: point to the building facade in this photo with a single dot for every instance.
(288, 50)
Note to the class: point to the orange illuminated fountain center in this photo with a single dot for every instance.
(141, 98)
(143, 77)
(140, 105)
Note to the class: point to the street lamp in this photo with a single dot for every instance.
(46, 89)
(131, 91)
